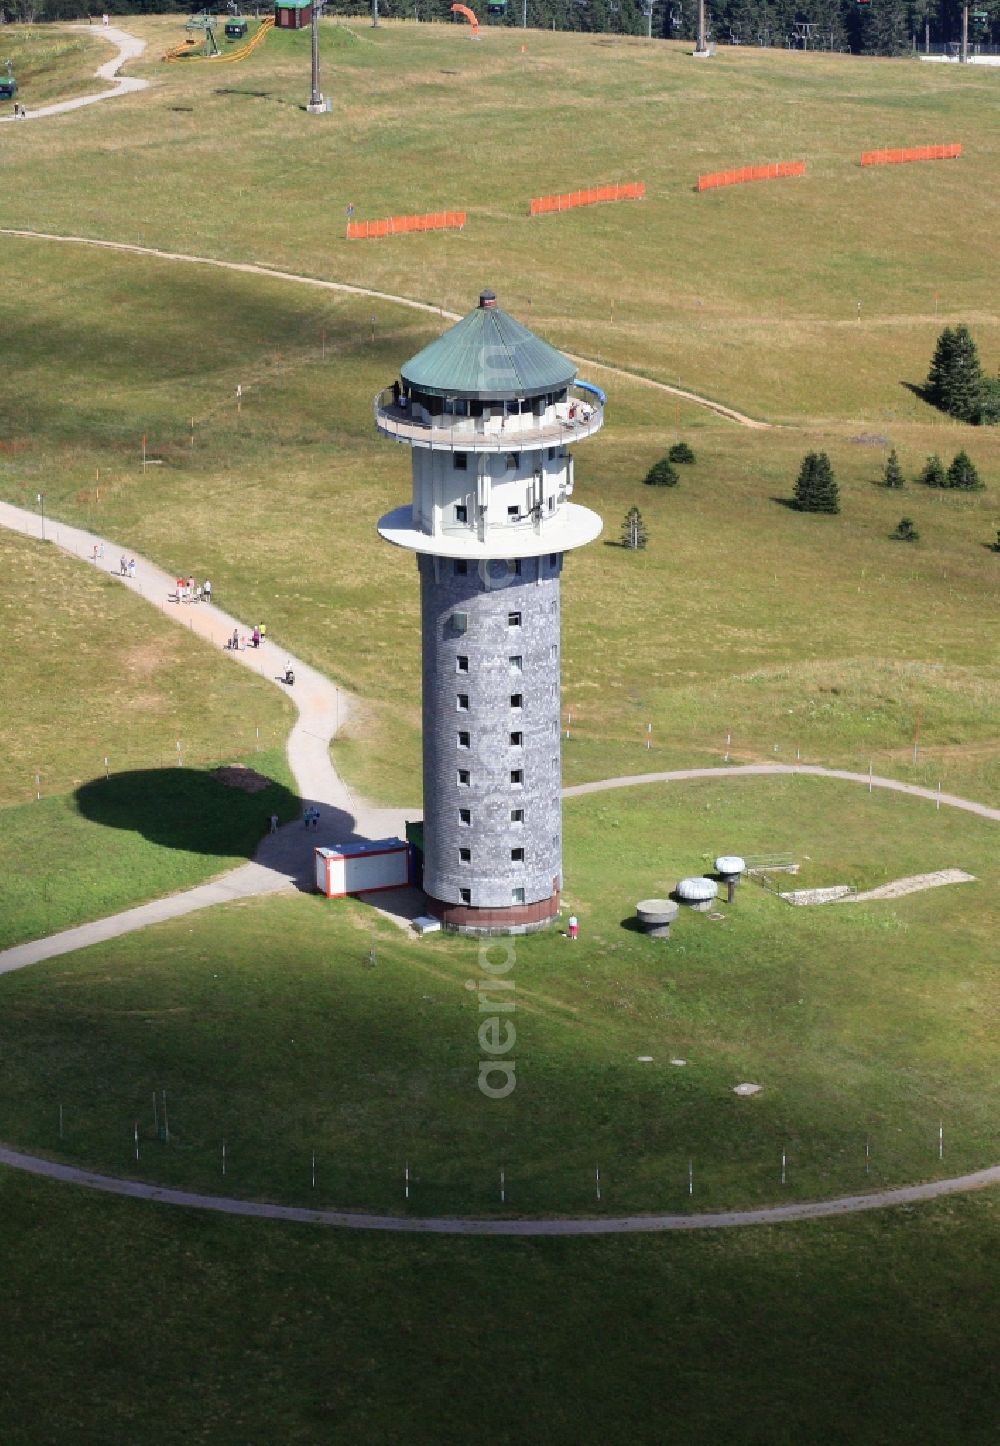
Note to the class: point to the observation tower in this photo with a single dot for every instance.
(490, 412)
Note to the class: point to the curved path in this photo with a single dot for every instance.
(530, 1226)
(250, 268)
(727, 770)
(283, 858)
(129, 47)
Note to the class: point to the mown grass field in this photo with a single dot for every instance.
(51, 64)
(872, 1330)
(115, 716)
(265, 1022)
(271, 1028)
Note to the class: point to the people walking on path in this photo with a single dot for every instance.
(573, 927)
(207, 591)
(131, 567)
(255, 637)
(274, 823)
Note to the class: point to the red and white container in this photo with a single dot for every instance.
(362, 868)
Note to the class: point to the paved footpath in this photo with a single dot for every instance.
(527, 1226)
(128, 47)
(283, 859)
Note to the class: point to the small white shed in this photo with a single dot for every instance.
(362, 868)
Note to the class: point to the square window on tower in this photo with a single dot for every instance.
(517, 815)
(517, 740)
(461, 567)
(464, 778)
(465, 895)
(462, 663)
(517, 896)
(461, 512)
(465, 817)
(460, 461)
(517, 700)
(465, 856)
(517, 777)
(464, 738)
(462, 702)
(516, 663)
(513, 620)
(517, 856)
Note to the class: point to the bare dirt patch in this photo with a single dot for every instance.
(234, 775)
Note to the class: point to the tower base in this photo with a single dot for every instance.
(519, 919)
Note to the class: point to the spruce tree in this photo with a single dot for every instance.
(962, 474)
(905, 531)
(955, 382)
(661, 474)
(634, 534)
(933, 474)
(893, 474)
(681, 452)
(816, 487)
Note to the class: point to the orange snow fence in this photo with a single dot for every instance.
(400, 225)
(914, 153)
(630, 191)
(751, 173)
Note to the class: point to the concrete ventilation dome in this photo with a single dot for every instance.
(490, 412)
(730, 867)
(655, 916)
(698, 892)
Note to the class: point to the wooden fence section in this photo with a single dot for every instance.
(401, 225)
(751, 173)
(630, 191)
(912, 153)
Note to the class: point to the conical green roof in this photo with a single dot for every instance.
(488, 355)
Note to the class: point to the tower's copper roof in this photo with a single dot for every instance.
(488, 355)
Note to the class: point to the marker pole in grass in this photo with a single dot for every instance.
(868, 1154)
(938, 805)
(869, 775)
(135, 1135)
(166, 1126)
(690, 1177)
(314, 1169)
(597, 1182)
(144, 451)
(784, 1161)
(406, 1182)
(649, 736)
(156, 1118)
(503, 1187)
(60, 1122)
(40, 499)
(941, 1140)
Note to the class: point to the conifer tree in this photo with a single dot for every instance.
(955, 381)
(893, 474)
(962, 474)
(905, 531)
(634, 534)
(661, 474)
(681, 452)
(816, 487)
(933, 474)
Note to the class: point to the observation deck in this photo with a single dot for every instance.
(562, 424)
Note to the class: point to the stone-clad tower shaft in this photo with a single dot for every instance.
(489, 411)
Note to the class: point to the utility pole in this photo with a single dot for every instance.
(701, 48)
(964, 56)
(524, 14)
(374, 14)
(316, 105)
